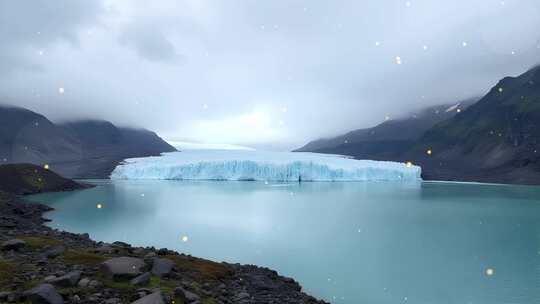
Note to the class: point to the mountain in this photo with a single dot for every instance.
(78, 149)
(388, 140)
(31, 179)
(496, 139)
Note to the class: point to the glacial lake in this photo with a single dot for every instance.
(356, 242)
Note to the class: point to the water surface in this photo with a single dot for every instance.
(344, 242)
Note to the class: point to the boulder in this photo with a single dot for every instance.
(154, 298)
(67, 280)
(55, 252)
(13, 244)
(140, 280)
(44, 294)
(83, 283)
(162, 267)
(123, 267)
(185, 295)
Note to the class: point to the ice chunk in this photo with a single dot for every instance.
(262, 166)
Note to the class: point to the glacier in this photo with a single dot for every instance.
(245, 165)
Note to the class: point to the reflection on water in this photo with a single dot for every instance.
(345, 242)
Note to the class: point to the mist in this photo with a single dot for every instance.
(272, 74)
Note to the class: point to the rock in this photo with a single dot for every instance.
(13, 244)
(95, 284)
(44, 294)
(4, 296)
(162, 267)
(84, 282)
(105, 249)
(141, 280)
(121, 245)
(123, 267)
(76, 299)
(154, 298)
(49, 279)
(186, 296)
(150, 255)
(242, 295)
(55, 252)
(113, 301)
(67, 280)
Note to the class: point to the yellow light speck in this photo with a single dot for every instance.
(99, 206)
(489, 272)
(409, 164)
(185, 238)
(429, 152)
(458, 110)
(46, 167)
(500, 90)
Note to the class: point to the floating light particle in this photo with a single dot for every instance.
(185, 238)
(61, 90)
(398, 60)
(489, 272)
(429, 152)
(359, 230)
(409, 164)
(46, 167)
(99, 206)
(464, 44)
(387, 118)
(142, 194)
(458, 110)
(501, 90)
(513, 52)
(266, 182)
(425, 47)
(408, 4)
(40, 53)
(377, 43)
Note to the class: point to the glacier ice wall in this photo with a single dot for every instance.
(261, 166)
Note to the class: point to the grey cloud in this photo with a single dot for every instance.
(28, 27)
(150, 43)
(330, 64)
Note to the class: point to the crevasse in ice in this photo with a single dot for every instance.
(262, 166)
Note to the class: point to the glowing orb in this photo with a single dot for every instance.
(409, 164)
(185, 238)
(46, 167)
(61, 90)
(429, 152)
(99, 206)
(489, 272)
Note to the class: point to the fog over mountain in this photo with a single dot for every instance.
(272, 73)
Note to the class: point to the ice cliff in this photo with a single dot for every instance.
(262, 166)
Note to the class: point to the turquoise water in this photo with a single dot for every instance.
(344, 242)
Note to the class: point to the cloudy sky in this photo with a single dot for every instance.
(256, 72)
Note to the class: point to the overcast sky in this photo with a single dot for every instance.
(254, 72)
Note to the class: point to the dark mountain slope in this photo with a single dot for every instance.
(30, 179)
(26, 136)
(82, 149)
(497, 139)
(388, 140)
(104, 145)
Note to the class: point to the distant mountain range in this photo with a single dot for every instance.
(496, 139)
(78, 149)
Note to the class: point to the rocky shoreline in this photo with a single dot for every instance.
(39, 264)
